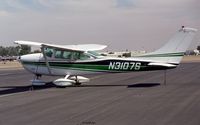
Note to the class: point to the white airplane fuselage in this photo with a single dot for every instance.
(35, 63)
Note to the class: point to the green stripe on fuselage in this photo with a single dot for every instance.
(98, 68)
(85, 67)
(164, 55)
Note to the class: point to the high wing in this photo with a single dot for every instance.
(80, 47)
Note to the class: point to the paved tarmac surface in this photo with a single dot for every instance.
(109, 99)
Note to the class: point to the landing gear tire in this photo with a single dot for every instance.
(77, 84)
(38, 76)
(61, 87)
(36, 81)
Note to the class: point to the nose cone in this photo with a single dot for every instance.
(19, 58)
(30, 57)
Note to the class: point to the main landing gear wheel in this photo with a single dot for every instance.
(64, 82)
(36, 81)
(76, 80)
(70, 81)
(77, 84)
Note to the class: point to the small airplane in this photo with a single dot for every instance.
(71, 61)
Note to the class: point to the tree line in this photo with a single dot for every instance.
(14, 50)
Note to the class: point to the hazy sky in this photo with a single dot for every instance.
(120, 24)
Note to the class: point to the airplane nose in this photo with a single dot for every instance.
(19, 58)
(30, 58)
(24, 58)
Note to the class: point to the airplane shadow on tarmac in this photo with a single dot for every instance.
(143, 85)
(136, 85)
(18, 89)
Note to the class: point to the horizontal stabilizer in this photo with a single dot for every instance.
(163, 64)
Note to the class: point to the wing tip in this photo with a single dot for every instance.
(22, 42)
(188, 29)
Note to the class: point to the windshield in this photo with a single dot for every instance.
(94, 53)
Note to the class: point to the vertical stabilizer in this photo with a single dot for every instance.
(174, 49)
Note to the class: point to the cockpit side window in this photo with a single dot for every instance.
(58, 54)
(67, 55)
(49, 52)
(61, 54)
(84, 56)
(75, 55)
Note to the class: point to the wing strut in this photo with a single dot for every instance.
(45, 58)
